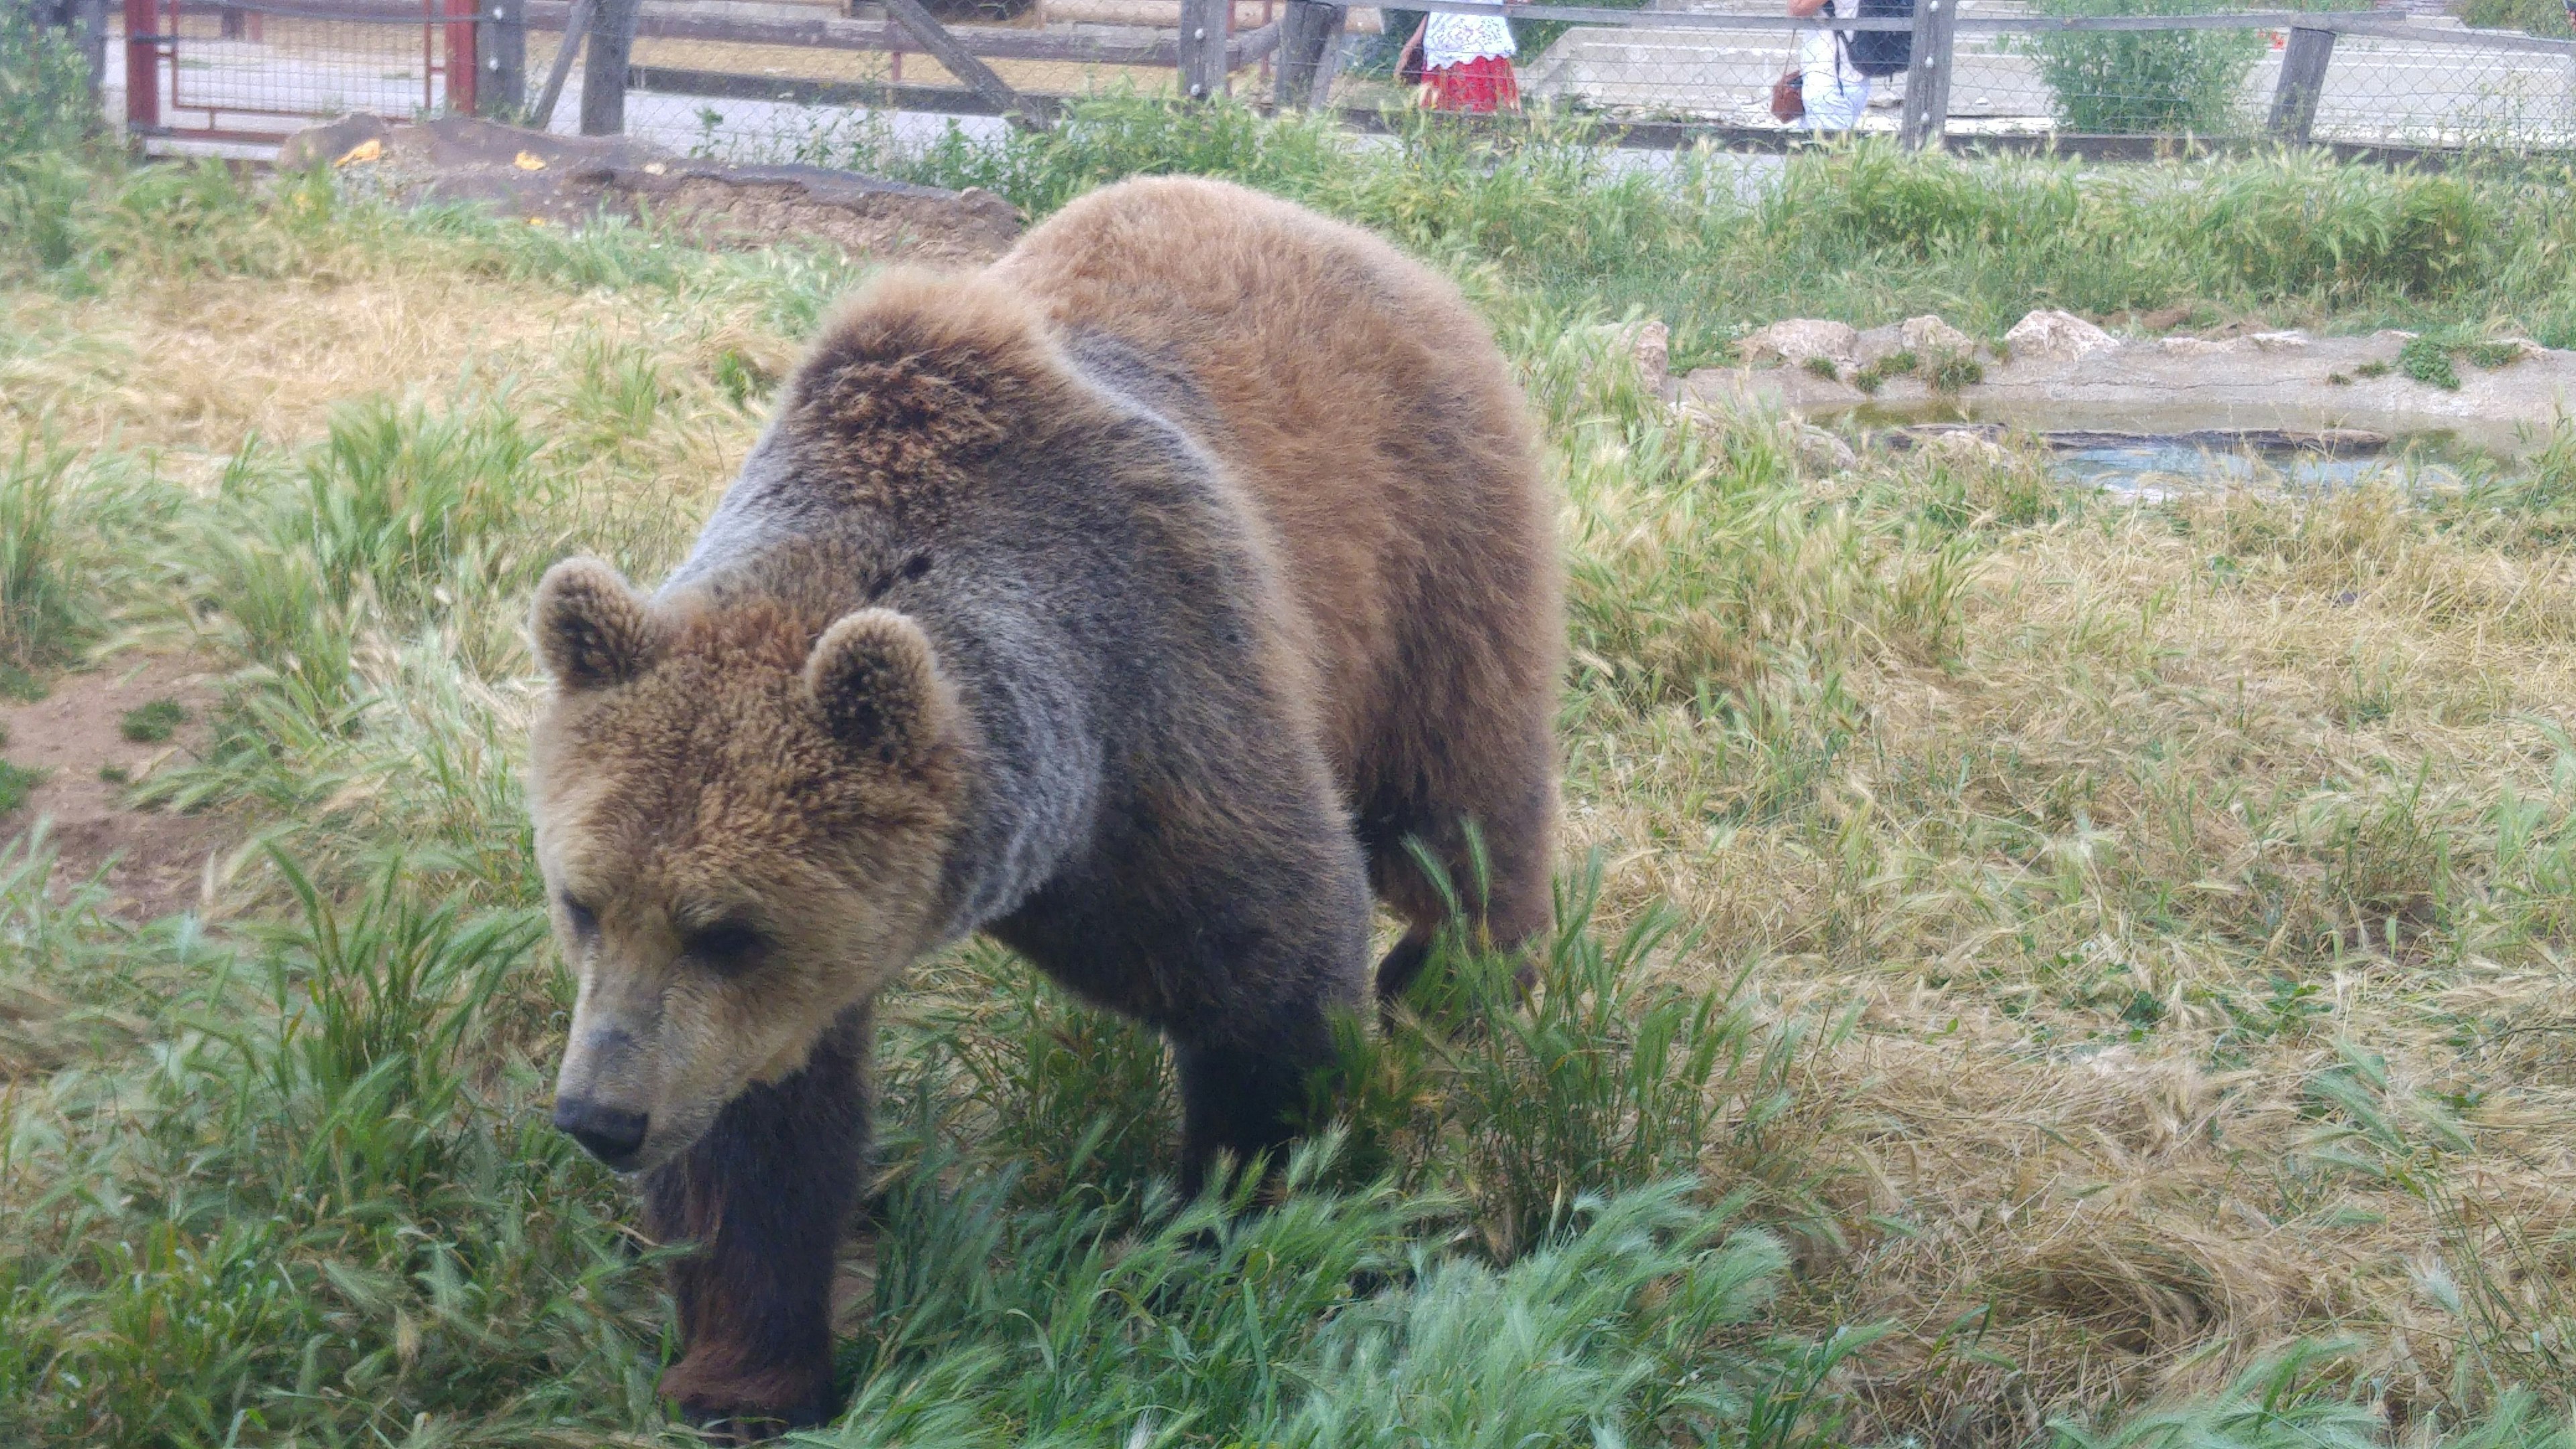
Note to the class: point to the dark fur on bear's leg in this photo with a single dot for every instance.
(766, 1195)
(1241, 1102)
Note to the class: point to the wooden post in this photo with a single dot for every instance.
(1203, 27)
(503, 45)
(1310, 50)
(1927, 75)
(603, 67)
(142, 65)
(576, 30)
(463, 67)
(2303, 81)
(962, 63)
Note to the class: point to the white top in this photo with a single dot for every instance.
(1457, 39)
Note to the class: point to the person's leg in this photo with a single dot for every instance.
(1835, 102)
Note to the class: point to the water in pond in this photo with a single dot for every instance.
(2155, 469)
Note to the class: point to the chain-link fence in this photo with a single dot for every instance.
(796, 79)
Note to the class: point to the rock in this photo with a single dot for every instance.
(1799, 338)
(2056, 335)
(1817, 451)
(1929, 336)
(1792, 388)
(1650, 345)
(1653, 349)
(2278, 341)
(1968, 447)
(1879, 344)
(2194, 347)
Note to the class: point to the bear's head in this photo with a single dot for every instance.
(741, 815)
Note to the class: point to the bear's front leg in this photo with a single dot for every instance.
(766, 1196)
(1243, 1098)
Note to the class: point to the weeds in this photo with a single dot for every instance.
(17, 782)
(40, 598)
(152, 722)
(2428, 362)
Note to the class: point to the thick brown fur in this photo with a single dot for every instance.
(1139, 601)
(1389, 452)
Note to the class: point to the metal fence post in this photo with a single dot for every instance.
(2303, 81)
(503, 46)
(1202, 67)
(1310, 42)
(1927, 75)
(603, 69)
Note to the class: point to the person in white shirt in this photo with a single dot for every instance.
(1836, 94)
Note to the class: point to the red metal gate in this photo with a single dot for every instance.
(208, 70)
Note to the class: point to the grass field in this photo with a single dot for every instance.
(2031, 969)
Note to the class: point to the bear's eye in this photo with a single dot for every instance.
(585, 923)
(727, 946)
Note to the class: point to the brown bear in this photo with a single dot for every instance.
(1134, 601)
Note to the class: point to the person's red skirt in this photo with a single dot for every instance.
(1483, 84)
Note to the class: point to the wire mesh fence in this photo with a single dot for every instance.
(799, 79)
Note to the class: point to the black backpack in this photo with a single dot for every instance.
(1881, 52)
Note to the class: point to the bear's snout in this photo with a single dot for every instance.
(611, 1134)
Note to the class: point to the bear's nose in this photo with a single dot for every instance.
(608, 1133)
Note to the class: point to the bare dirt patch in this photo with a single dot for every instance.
(570, 179)
(152, 863)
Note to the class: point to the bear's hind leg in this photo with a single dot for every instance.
(766, 1194)
(1493, 836)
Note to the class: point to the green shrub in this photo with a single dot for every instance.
(2154, 82)
(2537, 17)
(45, 101)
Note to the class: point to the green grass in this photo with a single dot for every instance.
(1867, 234)
(17, 782)
(2029, 970)
(152, 722)
(2428, 362)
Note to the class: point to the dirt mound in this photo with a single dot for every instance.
(569, 180)
(94, 736)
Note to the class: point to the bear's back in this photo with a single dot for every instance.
(1365, 414)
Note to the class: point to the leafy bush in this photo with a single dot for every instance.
(2537, 17)
(2151, 82)
(45, 101)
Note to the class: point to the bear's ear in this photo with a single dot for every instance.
(592, 628)
(878, 686)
